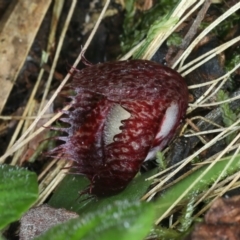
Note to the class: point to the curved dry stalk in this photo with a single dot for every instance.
(205, 120)
(209, 132)
(207, 97)
(186, 53)
(49, 184)
(215, 80)
(207, 161)
(46, 169)
(57, 10)
(231, 184)
(21, 122)
(207, 56)
(225, 189)
(215, 103)
(209, 82)
(203, 98)
(6, 118)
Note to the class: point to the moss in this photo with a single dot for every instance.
(136, 23)
(228, 115)
(174, 40)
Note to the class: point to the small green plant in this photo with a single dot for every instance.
(161, 161)
(137, 24)
(174, 40)
(228, 115)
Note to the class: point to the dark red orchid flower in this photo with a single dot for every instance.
(122, 114)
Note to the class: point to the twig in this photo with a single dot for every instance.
(192, 31)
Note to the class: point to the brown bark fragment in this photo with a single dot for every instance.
(221, 221)
(39, 219)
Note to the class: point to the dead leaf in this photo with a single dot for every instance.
(18, 29)
(221, 221)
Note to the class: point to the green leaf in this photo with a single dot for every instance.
(165, 233)
(1, 238)
(121, 220)
(19, 190)
(72, 185)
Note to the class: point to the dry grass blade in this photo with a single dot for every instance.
(49, 184)
(204, 172)
(24, 118)
(24, 115)
(199, 102)
(220, 193)
(187, 160)
(56, 14)
(205, 32)
(207, 56)
(208, 132)
(215, 103)
(226, 167)
(52, 180)
(23, 140)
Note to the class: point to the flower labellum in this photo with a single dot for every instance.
(122, 114)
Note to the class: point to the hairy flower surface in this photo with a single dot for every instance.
(122, 114)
